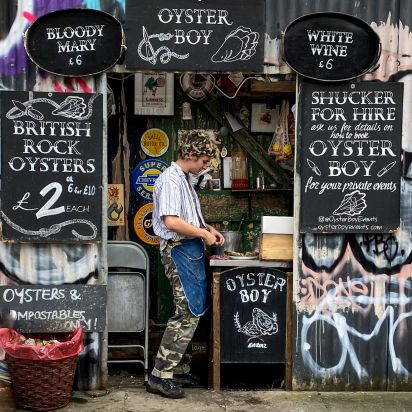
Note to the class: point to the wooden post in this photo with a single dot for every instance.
(216, 330)
(289, 332)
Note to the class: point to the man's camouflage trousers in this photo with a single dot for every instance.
(180, 327)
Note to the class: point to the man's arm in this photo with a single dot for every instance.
(178, 225)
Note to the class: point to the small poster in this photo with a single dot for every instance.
(115, 204)
(154, 94)
(264, 118)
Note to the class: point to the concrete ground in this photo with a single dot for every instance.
(127, 394)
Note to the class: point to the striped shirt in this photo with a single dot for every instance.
(173, 195)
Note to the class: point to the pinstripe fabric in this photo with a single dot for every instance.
(174, 196)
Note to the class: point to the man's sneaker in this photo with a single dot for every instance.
(164, 387)
(187, 380)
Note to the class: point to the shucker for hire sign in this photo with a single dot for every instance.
(211, 36)
(350, 161)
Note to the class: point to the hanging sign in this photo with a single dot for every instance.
(61, 308)
(154, 142)
(330, 46)
(208, 36)
(350, 157)
(145, 175)
(252, 315)
(51, 166)
(115, 204)
(143, 225)
(75, 42)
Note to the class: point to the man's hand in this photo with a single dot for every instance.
(209, 238)
(219, 239)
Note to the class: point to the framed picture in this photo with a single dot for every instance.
(264, 118)
(154, 94)
(214, 184)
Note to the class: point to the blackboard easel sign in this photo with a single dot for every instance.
(56, 309)
(350, 160)
(253, 315)
(51, 166)
(195, 36)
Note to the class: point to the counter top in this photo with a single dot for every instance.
(250, 263)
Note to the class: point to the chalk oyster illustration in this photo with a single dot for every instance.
(352, 204)
(72, 106)
(239, 44)
(261, 324)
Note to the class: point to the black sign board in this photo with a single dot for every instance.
(252, 315)
(55, 308)
(51, 163)
(350, 161)
(193, 35)
(330, 46)
(75, 42)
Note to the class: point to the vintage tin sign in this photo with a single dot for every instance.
(154, 142)
(145, 175)
(115, 204)
(75, 42)
(330, 46)
(143, 225)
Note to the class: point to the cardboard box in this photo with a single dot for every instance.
(275, 246)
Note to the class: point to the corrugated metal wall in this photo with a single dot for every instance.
(55, 264)
(352, 293)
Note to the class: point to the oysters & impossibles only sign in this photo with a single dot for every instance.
(75, 42)
(55, 308)
(330, 46)
(51, 165)
(211, 36)
(350, 161)
(253, 315)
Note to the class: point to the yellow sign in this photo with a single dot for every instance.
(115, 205)
(143, 225)
(154, 142)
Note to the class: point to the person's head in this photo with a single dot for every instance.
(196, 149)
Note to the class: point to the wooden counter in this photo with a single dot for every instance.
(219, 266)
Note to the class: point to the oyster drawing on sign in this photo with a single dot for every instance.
(352, 204)
(239, 44)
(260, 325)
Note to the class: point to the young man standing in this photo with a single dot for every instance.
(178, 221)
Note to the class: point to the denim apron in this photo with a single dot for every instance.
(189, 258)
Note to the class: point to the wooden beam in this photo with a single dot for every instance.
(248, 143)
(288, 86)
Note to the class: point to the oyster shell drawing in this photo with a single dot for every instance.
(239, 44)
(352, 204)
(261, 324)
(72, 107)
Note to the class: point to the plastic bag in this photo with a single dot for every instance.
(67, 346)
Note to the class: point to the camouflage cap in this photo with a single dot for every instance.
(196, 144)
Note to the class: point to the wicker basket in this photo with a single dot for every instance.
(42, 385)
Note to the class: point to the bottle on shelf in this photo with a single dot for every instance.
(239, 169)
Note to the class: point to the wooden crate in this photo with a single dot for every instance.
(276, 247)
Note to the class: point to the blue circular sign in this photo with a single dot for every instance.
(145, 175)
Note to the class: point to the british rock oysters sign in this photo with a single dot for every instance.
(210, 36)
(350, 160)
(51, 166)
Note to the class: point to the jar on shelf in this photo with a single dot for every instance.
(239, 169)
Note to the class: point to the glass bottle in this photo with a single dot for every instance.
(239, 169)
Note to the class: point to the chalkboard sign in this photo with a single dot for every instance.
(252, 315)
(75, 42)
(55, 308)
(330, 46)
(209, 36)
(51, 164)
(350, 161)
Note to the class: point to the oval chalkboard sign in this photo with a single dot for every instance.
(330, 46)
(75, 42)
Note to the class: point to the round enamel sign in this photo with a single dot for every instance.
(154, 142)
(143, 225)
